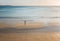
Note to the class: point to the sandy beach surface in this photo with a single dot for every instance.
(30, 34)
(42, 36)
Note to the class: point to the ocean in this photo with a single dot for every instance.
(29, 13)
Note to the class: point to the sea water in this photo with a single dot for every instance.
(45, 14)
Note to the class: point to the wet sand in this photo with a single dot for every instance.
(30, 34)
(29, 30)
(28, 24)
(21, 24)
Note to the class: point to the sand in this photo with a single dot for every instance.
(19, 25)
(35, 36)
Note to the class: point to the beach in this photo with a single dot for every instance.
(34, 36)
(29, 23)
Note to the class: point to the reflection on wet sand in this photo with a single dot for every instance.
(28, 24)
(54, 23)
(19, 25)
(3, 25)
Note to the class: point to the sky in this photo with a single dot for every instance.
(30, 2)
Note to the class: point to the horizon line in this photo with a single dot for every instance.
(32, 5)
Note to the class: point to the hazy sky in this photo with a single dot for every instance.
(29, 2)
